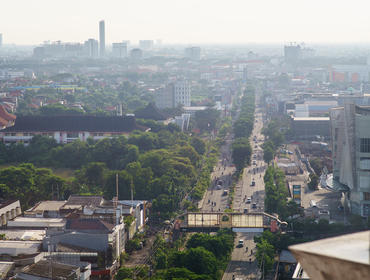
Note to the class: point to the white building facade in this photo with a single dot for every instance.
(182, 93)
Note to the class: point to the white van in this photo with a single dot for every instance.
(241, 243)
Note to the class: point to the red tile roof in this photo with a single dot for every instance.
(5, 115)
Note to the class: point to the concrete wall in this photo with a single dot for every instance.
(98, 242)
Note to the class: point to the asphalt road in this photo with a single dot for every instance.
(214, 199)
(243, 264)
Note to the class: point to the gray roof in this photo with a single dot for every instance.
(85, 200)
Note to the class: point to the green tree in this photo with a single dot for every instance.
(265, 255)
(268, 154)
(200, 261)
(207, 120)
(314, 181)
(241, 152)
(198, 144)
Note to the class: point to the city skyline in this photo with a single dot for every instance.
(201, 22)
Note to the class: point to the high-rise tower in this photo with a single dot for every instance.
(102, 38)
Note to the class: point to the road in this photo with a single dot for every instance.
(243, 264)
(214, 200)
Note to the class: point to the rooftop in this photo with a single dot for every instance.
(74, 123)
(34, 222)
(85, 200)
(311, 118)
(48, 205)
(19, 247)
(23, 234)
(6, 203)
(5, 267)
(89, 224)
(342, 257)
(59, 270)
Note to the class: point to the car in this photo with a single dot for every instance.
(225, 192)
(241, 243)
(254, 162)
(245, 211)
(218, 187)
(254, 205)
(248, 200)
(253, 183)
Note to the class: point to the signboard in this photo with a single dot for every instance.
(273, 226)
(297, 194)
(258, 230)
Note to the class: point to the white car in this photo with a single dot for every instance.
(248, 200)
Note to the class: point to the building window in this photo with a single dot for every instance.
(365, 145)
(365, 163)
(366, 196)
(13, 134)
(72, 135)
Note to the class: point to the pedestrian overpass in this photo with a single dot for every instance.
(239, 222)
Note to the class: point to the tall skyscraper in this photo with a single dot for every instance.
(193, 53)
(292, 53)
(146, 45)
(91, 48)
(102, 37)
(119, 50)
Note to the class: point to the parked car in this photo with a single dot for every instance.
(254, 205)
(248, 200)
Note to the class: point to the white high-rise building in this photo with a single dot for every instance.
(182, 93)
(146, 45)
(102, 38)
(91, 47)
(174, 94)
(350, 134)
(193, 53)
(119, 50)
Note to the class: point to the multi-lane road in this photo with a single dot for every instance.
(248, 197)
(216, 198)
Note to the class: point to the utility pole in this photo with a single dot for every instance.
(115, 202)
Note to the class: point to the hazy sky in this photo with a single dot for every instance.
(186, 21)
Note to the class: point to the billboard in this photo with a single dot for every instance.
(297, 194)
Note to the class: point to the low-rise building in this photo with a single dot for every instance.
(310, 127)
(50, 270)
(37, 223)
(9, 210)
(45, 209)
(66, 129)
